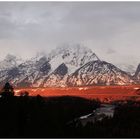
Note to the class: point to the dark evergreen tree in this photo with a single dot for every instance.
(7, 90)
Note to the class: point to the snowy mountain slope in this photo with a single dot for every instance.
(9, 68)
(32, 71)
(68, 65)
(65, 59)
(25, 73)
(41, 69)
(99, 73)
(57, 78)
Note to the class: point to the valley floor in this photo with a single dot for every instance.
(103, 93)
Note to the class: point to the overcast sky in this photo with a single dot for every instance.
(110, 29)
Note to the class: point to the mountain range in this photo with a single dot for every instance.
(66, 66)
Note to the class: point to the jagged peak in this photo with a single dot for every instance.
(71, 48)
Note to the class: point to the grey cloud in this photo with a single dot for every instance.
(110, 51)
(106, 27)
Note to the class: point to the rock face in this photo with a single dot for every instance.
(69, 65)
(137, 74)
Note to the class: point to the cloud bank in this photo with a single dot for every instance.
(110, 29)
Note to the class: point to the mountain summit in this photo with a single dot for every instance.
(99, 73)
(72, 56)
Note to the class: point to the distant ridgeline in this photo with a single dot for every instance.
(63, 67)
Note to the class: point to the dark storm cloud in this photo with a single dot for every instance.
(29, 27)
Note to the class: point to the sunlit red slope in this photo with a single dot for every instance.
(104, 93)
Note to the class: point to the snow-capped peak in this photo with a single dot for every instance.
(73, 55)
